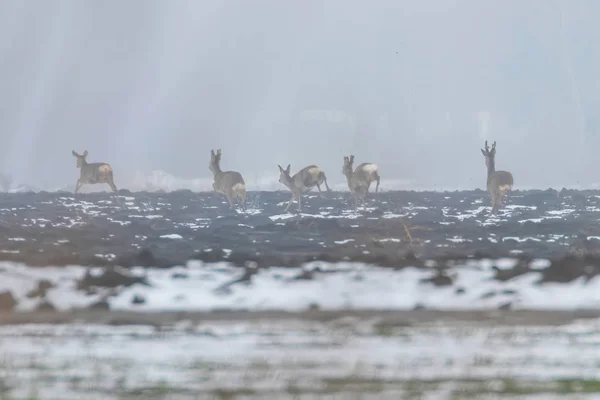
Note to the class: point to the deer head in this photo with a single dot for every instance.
(348, 161)
(215, 161)
(81, 158)
(489, 155)
(284, 174)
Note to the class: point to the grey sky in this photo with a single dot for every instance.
(415, 86)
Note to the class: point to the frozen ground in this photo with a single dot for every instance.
(395, 229)
(202, 287)
(186, 253)
(289, 358)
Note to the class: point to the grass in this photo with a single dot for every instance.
(300, 374)
(358, 387)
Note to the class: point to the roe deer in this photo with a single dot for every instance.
(229, 183)
(357, 181)
(93, 173)
(367, 172)
(498, 182)
(303, 181)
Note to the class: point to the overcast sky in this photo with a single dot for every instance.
(414, 86)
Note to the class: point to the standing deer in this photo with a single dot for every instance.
(357, 182)
(366, 172)
(229, 183)
(498, 182)
(93, 173)
(303, 181)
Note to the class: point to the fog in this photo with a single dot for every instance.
(414, 86)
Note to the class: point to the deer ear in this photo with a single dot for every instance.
(85, 153)
(73, 152)
(288, 168)
(351, 157)
(280, 169)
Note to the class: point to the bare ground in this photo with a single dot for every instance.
(394, 318)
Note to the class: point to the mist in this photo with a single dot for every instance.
(415, 87)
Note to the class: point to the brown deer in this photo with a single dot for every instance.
(302, 182)
(358, 183)
(367, 172)
(499, 183)
(93, 173)
(229, 183)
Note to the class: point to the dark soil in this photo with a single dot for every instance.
(92, 229)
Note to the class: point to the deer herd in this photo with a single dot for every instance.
(233, 186)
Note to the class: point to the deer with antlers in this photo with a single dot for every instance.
(93, 173)
(302, 182)
(499, 183)
(229, 183)
(357, 181)
(366, 172)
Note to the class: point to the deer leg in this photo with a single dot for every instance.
(290, 202)
(299, 201)
(112, 186)
(320, 191)
(497, 202)
(377, 187)
(507, 197)
(78, 185)
(243, 198)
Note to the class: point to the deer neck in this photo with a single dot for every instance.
(348, 177)
(491, 169)
(217, 170)
(289, 182)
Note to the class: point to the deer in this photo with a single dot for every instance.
(499, 183)
(93, 173)
(229, 183)
(366, 172)
(358, 183)
(303, 181)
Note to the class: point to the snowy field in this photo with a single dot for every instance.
(167, 229)
(345, 358)
(406, 252)
(199, 287)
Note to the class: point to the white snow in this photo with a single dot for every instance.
(265, 358)
(171, 236)
(339, 286)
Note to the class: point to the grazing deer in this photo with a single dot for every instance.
(303, 181)
(229, 183)
(356, 181)
(498, 182)
(93, 173)
(366, 172)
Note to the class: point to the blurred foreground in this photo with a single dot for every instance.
(357, 355)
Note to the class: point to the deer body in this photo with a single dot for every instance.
(499, 183)
(358, 181)
(229, 183)
(302, 182)
(93, 173)
(368, 172)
